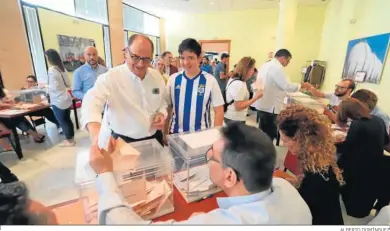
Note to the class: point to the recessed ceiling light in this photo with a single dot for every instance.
(212, 3)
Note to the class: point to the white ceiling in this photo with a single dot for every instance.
(167, 7)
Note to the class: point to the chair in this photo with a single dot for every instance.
(291, 163)
(37, 121)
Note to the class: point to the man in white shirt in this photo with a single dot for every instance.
(276, 84)
(343, 90)
(132, 96)
(241, 163)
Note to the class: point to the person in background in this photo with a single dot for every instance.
(221, 74)
(237, 94)
(32, 83)
(249, 83)
(343, 90)
(241, 162)
(370, 99)
(22, 123)
(160, 67)
(131, 96)
(85, 76)
(169, 68)
(206, 66)
(308, 135)
(60, 99)
(213, 65)
(276, 84)
(360, 159)
(101, 62)
(184, 113)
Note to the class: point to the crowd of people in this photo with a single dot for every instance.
(149, 99)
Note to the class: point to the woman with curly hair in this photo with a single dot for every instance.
(307, 134)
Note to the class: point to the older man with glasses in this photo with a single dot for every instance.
(131, 96)
(241, 163)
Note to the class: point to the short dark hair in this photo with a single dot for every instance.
(224, 55)
(32, 77)
(283, 53)
(135, 36)
(165, 53)
(352, 84)
(205, 57)
(190, 45)
(255, 70)
(54, 59)
(366, 96)
(14, 205)
(251, 153)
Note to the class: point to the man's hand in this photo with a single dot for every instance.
(158, 122)
(306, 85)
(100, 161)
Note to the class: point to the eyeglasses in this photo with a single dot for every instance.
(135, 58)
(212, 158)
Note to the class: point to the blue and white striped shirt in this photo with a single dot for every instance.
(191, 100)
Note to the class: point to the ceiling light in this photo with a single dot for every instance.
(212, 3)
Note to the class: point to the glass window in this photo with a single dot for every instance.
(107, 46)
(125, 37)
(151, 25)
(64, 6)
(35, 42)
(133, 19)
(95, 10)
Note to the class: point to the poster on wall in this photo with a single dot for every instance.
(366, 55)
(72, 50)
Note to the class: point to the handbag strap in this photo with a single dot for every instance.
(66, 85)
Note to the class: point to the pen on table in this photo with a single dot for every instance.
(204, 198)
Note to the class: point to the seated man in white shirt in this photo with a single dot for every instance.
(343, 90)
(241, 163)
(132, 95)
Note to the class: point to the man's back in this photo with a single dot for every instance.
(218, 69)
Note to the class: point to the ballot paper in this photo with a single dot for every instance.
(105, 132)
(197, 180)
(201, 139)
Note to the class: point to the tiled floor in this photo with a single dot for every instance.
(48, 170)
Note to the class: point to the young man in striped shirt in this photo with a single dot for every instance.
(191, 94)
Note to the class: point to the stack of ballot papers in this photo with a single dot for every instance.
(195, 181)
(145, 197)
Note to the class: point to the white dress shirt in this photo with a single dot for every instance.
(131, 102)
(333, 99)
(58, 84)
(276, 84)
(383, 217)
(281, 205)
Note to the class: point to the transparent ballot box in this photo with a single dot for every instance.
(143, 171)
(305, 100)
(191, 172)
(29, 96)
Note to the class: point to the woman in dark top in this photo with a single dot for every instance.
(308, 135)
(360, 158)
